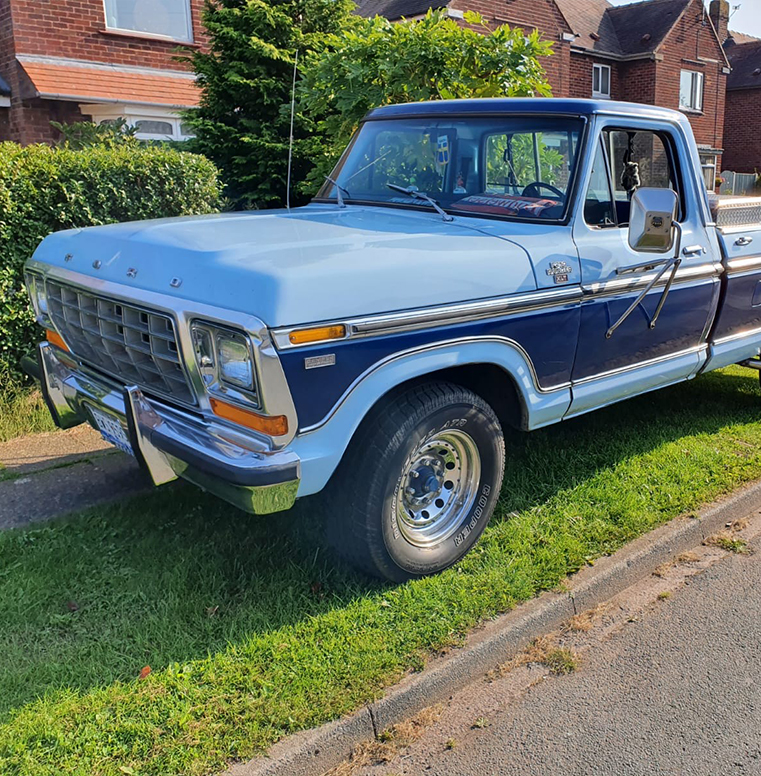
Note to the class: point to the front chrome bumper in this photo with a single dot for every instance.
(169, 443)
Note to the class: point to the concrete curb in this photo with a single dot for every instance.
(313, 752)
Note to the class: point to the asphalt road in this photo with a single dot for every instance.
(675, 690)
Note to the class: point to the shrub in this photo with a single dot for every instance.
(84, 134)
(45, 189)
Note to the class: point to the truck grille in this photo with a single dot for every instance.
(130, 343)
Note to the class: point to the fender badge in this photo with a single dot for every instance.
(175, 282)
(315, 362)
(560, 271)
(131, 272)
(68, 257)
(97, 264)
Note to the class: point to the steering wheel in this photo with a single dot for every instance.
(532, 190)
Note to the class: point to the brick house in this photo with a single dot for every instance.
(742, 123)
(659, 52)
(66, 60)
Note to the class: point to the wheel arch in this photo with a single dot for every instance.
(497, 370)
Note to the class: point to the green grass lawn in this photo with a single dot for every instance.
(22, 411)
(253, 631)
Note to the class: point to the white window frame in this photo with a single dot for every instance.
(597, 76)
(134, 113)
(708, 161)
(188, 38)
(697, 89)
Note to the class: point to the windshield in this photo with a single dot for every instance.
(499, 166)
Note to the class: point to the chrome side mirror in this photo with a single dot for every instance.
(651, 220)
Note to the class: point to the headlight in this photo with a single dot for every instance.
(36, 287)
(225, 361)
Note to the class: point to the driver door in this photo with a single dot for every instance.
(640, 354)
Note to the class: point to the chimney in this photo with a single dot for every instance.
(719, 12)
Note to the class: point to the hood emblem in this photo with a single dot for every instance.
(131, 272)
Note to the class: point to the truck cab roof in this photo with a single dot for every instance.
(525, 105)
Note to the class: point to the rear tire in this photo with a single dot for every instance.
(418, 484)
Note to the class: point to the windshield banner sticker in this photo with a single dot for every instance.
(506, 203)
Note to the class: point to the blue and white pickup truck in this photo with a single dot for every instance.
(469, 268)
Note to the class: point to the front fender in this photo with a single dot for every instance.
(320, 447)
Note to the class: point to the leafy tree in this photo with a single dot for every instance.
(243, 123)
(375, 62)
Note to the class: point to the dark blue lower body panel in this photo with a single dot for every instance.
(548, 336)
(680, 326)
(741, 307)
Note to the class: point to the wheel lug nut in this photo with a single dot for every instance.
(410, 491)
(414, 474)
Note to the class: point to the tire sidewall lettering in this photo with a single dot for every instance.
(480, 428)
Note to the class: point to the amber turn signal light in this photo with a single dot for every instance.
(319, 334)
(54, 338)
(272, 425)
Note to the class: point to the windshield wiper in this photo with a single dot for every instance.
(415, 194)
(340, 191)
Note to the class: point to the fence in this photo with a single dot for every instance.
(739, 184)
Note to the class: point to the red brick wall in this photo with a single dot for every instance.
(688, 47)
(73, 29)
(742, 131)
(637, 81)
(542, 15)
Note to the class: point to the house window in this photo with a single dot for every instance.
(151, 123)
(708, 164)
(601, 81)
(159, 128)
(163, 18)
(691, 90)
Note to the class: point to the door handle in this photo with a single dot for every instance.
(744, 240)
(693, 250)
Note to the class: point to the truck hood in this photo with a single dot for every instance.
(310, 264)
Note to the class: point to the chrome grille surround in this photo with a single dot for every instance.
(134, 344)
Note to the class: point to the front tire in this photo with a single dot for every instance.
(419, 482)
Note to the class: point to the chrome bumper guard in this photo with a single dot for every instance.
(170, 444)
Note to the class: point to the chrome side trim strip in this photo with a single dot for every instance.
(745, 264)
(470, 311)
(641, 364)
(627, 284)
(443, 315)
(739, 336)
(466, 312)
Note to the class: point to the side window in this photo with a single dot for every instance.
(638, 159)
(598, 204)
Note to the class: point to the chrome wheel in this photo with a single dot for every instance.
(438, 486)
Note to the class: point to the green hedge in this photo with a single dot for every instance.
(44, 189)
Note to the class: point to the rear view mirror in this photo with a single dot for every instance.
(651, 220)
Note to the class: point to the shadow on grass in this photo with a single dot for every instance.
(177, 575)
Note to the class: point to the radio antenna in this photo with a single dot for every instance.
(290, 142)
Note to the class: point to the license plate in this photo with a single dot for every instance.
(111, 430)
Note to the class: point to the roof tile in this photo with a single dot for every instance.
(745, 60)
(97, 85)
